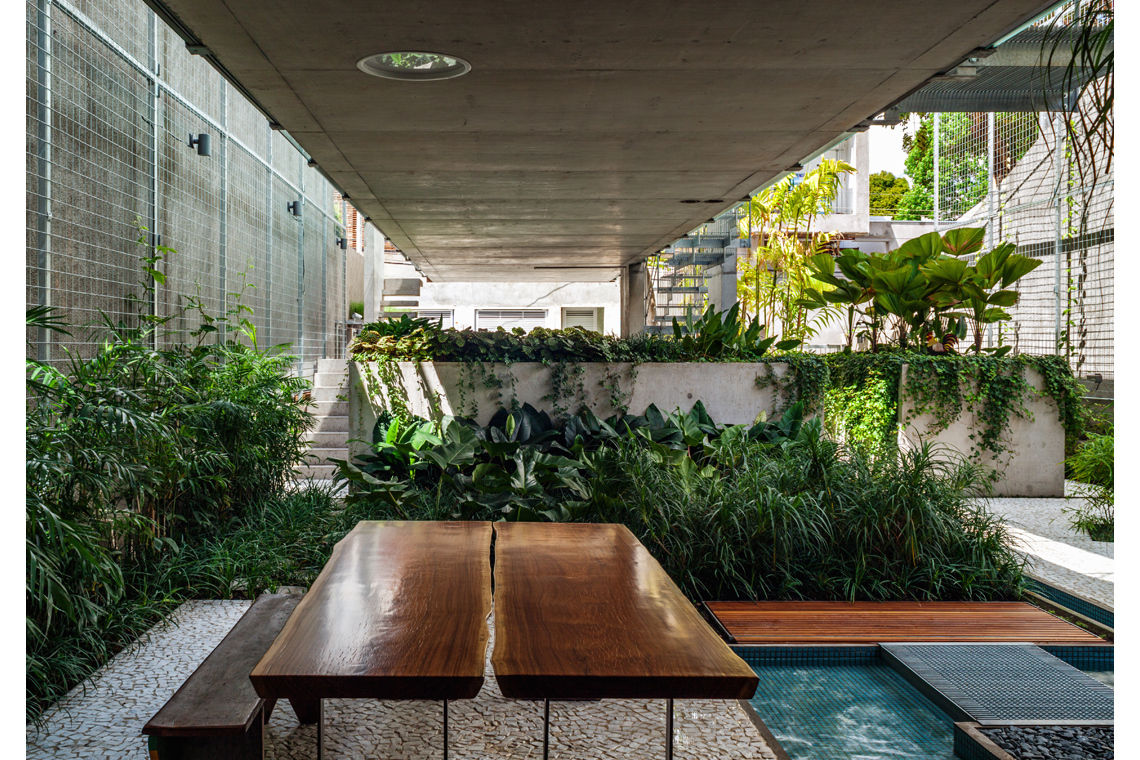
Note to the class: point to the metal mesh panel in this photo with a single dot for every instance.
(247, 223)
(246, 124)
(190, 76)
(285, 270)
(89, 163)
(97, 109)
(128, 25)
(314, 286)
(1028, 182)
(190, 220)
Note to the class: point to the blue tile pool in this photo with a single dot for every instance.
(847, 703)
(855, 709)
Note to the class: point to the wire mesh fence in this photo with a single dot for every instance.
(113, 97)
(1021, 176)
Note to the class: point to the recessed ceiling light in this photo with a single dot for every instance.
(413, 66)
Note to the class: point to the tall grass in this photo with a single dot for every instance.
(812, 520)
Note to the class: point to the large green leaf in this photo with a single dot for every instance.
(945, 271)
(964, 240)
(1016, 267)
(1003, 298)
(922, 247)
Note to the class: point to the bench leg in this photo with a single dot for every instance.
(249, 746)
(445, 729)
(669, 729)
(267, 709)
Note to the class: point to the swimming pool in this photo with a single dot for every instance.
(845, 703)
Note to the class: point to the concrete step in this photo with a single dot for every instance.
(322, 379)
(329, 408)
(329, 393)
(338, 366)
(328, 439)
(318, 471)
(325, 453)
(335, 424)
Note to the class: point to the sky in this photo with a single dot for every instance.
(886, 150)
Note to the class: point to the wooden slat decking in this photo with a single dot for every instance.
(781, 623)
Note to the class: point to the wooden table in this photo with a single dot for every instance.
(584, 611)
(398, 612)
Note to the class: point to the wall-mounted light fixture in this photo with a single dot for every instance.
(294, 207)
(342, 243)
(201, 142)
(312, 162)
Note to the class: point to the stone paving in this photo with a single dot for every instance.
(1057, 554)
(103, 720)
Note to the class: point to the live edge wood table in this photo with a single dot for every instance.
(398, 612)
(584, 611)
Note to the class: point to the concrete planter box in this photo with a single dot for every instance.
(729, 391)
(1033, 464)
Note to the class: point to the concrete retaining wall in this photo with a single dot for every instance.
(729, 392)
(1033, 465)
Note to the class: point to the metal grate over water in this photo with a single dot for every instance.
(1005, 683)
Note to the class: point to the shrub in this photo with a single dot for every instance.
(1093, 465)
(131, 453)
(773, 511)
(715, 336)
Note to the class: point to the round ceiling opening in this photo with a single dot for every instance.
(413, 66)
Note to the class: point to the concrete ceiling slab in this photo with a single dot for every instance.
(582, 126)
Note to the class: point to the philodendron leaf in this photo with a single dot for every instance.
(788, 345)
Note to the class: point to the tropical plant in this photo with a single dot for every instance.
(132, 451)
(715, 336)
(781, 218)
(1093, 465)
(926, 286)
(773, 510)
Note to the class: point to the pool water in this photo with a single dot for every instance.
(1106, 677)
(850, 711)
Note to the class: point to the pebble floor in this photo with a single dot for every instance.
(1058, 554)
(103, 719)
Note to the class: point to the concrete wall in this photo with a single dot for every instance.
(729, 392)
(1034, 463)
(354, 276)
(466, 297)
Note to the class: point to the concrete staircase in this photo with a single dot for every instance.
(329, 406)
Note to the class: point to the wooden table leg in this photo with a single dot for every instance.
(308, 710)
(311, 711)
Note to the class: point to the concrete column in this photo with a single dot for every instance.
(725, 286)
(634, 299)
(373, 273)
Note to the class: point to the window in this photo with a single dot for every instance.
(588, 317)
(527, 319)
(444, 317)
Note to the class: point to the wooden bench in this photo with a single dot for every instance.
(216, 713)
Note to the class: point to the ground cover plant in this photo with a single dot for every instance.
(136, 454)
(774, 510)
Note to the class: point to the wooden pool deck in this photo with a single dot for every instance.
(845, 623)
